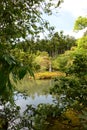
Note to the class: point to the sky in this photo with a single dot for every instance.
(67, 14)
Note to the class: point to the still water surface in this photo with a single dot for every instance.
(37, 91)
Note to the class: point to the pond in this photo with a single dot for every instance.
(37, 92)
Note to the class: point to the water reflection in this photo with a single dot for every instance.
(32, 87)
(37, 91)
(22, 102)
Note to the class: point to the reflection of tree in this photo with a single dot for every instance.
(33, 96)
(39, 87)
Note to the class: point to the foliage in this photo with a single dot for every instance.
(83, 118)
(8, 114)
(80, 23)
(73, 86)
(82, 42)
(11, 67)
(79, 66)
(47, 75)
(7, 63)
(13, 120)
(57, 44)
(60, 43)
(19, 18)
(26, 59)
(45, 114)
(42, 60)
(63, 61)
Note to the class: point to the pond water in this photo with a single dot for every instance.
(37, 92)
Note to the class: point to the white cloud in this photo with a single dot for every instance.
(75, 34)
(68, 13)
(75, 7)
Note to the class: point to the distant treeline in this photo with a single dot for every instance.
(58, 44)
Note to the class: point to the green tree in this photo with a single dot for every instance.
(43, 61)
(80, 23)
(73, 86)
(82, 42)
(60, 43)
(19, 18)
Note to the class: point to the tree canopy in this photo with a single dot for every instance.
(80, 23)
(18, 18)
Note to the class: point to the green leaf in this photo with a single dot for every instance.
(22, 72)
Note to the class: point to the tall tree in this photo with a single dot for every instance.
(60, 43)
